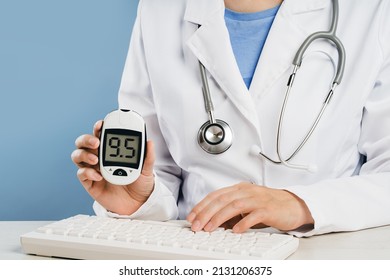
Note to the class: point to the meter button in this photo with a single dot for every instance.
(119, 172)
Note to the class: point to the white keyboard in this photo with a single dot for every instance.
(92, 237)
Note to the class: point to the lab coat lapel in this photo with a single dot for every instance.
(211, 45)
(283, 41)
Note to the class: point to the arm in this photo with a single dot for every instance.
(136, 93)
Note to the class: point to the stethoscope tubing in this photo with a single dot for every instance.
(297, 62)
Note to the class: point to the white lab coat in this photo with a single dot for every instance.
(350, 147)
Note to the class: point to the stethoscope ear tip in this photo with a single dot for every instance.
(312, 168)
(255, 150)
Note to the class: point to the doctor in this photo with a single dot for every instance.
(338, 180)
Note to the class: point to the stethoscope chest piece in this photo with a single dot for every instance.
(215, 137)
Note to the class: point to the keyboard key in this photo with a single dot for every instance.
(222, 249)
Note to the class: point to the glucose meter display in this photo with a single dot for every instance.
(122, 148)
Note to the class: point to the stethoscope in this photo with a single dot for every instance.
(215, 136)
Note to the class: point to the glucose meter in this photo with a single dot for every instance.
(122, 147)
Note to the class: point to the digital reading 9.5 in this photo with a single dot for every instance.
(122, 148)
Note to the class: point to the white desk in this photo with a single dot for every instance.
(371, 244)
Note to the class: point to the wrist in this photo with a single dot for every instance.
(140, 197)
(307, 218)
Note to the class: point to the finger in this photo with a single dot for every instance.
(254, 218)
(210, 198)
(229, 224)
(97, 128)
(218, 211)
(87, 141)
(147, 169)
(242, 200)
(82, 157)
(87, 176)
(233, 209)
(259, 213)
(233, 221)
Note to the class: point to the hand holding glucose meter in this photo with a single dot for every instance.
(122, 147)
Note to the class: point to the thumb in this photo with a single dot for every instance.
(147, 169)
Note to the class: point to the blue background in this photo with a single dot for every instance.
(60, 68)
